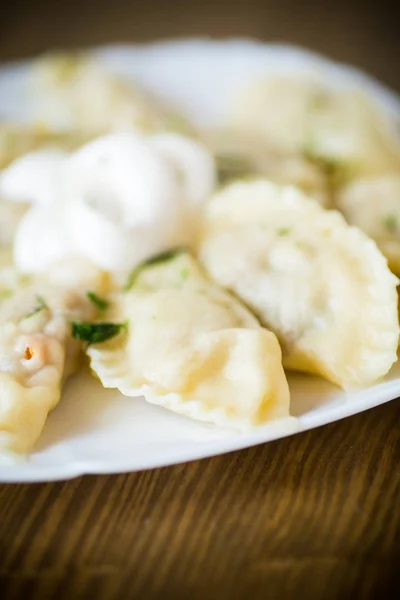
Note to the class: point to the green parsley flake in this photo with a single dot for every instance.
(283, 231)
(390, 222)
(184, 273)
(100, 303)
(4, 294)
(231, 167)
(94, 333)
(335, 171)
(153, 260)
(41, 305)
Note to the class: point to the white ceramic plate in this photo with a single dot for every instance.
(99, 431)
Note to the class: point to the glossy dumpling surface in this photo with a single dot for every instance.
(323, 287)
(192, 348)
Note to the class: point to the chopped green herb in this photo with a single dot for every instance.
(328, 165)
(94, 333)
(390, 222)
(283, 231)
(100, 303)
(308, 149)
(4, 294)
(231, 166)
(335, 171)
(41, 305)
(23, 279)
(184, 273)
(153, 260)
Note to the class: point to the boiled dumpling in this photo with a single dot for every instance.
(243, 156)
(75, 92)
(301, 113)
(192, 348)
(37, 351)
(373, 204)
(323, 287)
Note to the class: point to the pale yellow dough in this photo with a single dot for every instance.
(36, 349)
(301, 113)
(239, 155)
(322, 286)
(373, 204)
(75, 92)
(17, 140)
(193, 349)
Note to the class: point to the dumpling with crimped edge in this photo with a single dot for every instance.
(322, 286)
(192, 348)
(302, 112)
(373, 205)
(37, 352)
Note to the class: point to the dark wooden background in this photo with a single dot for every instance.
(363, 32)
(315, 516)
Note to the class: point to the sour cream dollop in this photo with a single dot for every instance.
(33, 178)
(116, 200)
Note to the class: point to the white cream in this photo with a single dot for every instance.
(34, 178)
(117, 200)
(193, 162)
(42, 238)
(123, 177)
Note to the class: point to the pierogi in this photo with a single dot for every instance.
(242, 156)
(237, 269)
(37, 351)
(322, 286)
(74, 92)
(301, 113)
(192, 348)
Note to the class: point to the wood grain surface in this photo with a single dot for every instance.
(315, 516)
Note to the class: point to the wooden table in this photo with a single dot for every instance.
(315, 516)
